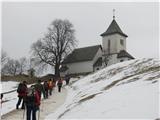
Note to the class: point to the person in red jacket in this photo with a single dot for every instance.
(50, 86)
(22, 91)
(32, 103)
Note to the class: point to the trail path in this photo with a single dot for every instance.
(47, 106)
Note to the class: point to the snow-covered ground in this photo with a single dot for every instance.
(127, 90)
(9, 99)
(8, 86)
(47, 106)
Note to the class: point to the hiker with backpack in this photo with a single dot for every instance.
(22, 91)
(46, 87)
(50, 86)
(32, 103)
(39, 88)
(59, 84)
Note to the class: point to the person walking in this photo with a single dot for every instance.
(67, 79)
(22, 91)
(59, 84)
(32, 103)
(1, 99)
(45, 86)
(50, 86)
(39, 88)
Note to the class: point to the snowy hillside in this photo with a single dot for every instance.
(124, 90)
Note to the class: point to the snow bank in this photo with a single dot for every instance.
(8, 86)
(127, 90)
(9, 99)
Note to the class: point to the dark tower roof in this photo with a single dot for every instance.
(113, 28)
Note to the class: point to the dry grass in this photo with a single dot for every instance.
(20, 78)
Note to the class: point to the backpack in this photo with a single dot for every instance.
(32, 97)
(19, 89)
(30, 92)
(60, 82)
(45, 85)
(50, 84)
(39, 87)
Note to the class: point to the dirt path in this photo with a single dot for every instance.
(47, 106)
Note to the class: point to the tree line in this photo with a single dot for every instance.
(50, 50)
(10, 66)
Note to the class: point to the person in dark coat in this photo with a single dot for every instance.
(39, 88)
(45, 86)
(1, 99)
(22, 91)
(59, 84)
(67, 78)
(32, 103)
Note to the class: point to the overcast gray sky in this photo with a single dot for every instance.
(23, 23)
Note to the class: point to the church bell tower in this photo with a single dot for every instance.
(113, 39)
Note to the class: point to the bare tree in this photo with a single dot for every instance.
(11, 67)
(4, 57)
(22, 64)
(56, 44)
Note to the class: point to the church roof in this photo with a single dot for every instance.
(82, 54)
(113, 28)
(124, 53)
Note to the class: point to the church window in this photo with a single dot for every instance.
(109, 44)
(121, 42)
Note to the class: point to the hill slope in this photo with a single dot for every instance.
(124, 90)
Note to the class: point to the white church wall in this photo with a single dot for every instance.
(119, 46)
(115, 45)
(112, 59)
(80, 67)
(98, 54)
(123, 59)
(97, 68)
(64, 73)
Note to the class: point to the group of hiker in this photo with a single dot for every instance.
(31, 97)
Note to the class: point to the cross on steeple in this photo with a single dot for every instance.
(114, 13)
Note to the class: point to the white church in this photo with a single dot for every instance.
(92, 58)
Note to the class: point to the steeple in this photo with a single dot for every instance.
(113, 14)
(113, 28)
(113, 39)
